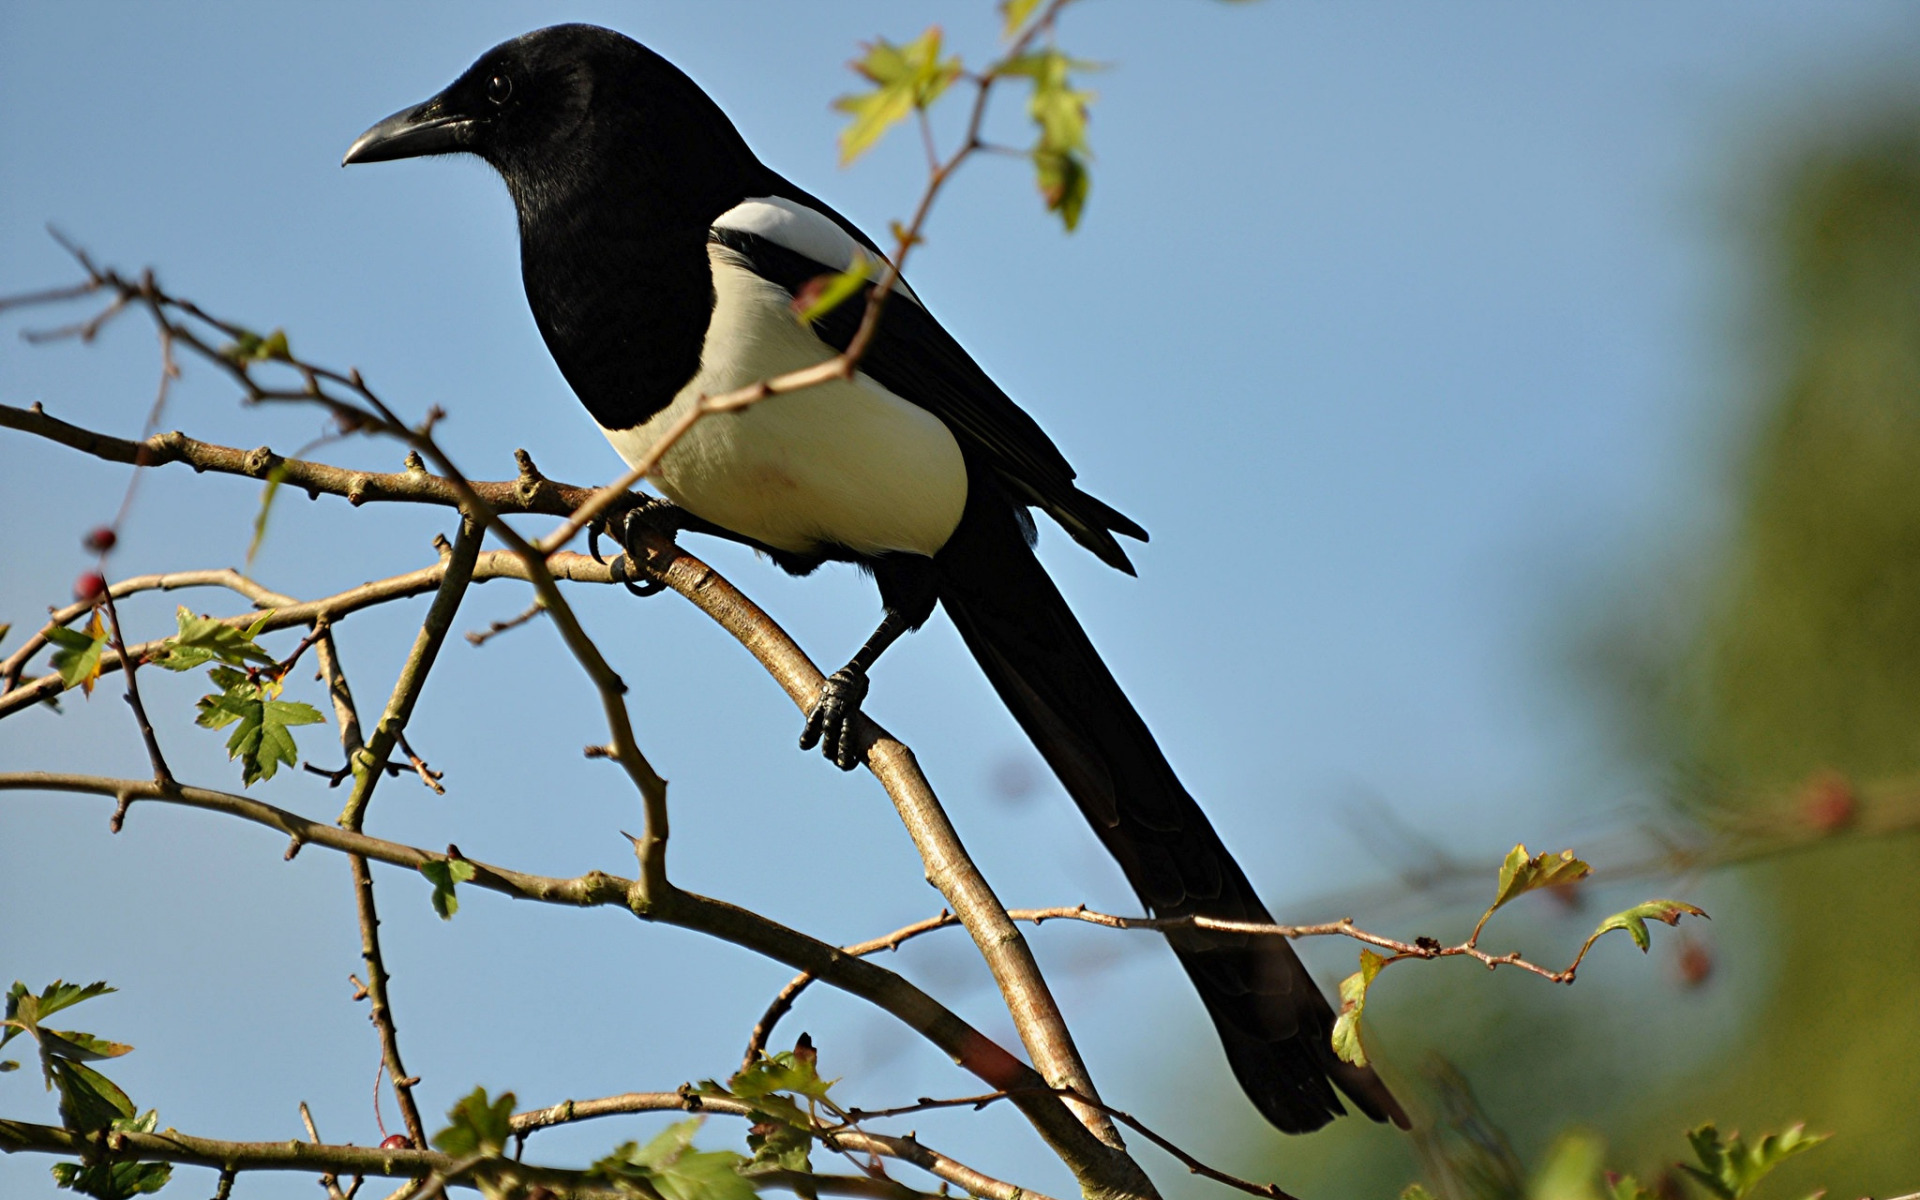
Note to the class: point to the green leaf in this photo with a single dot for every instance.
(1353, 1002)
(1729, 1168)
(88, 1099)
(1059, 110)
(825, 293)
(904, 78)
(202, 640)
(78, 659)
(57, 995)
(788, 1071)
(1626, 1187)
(1523, 873)
(443, 874)
(81, 1047)
(1014, 14)
(262, 739)
(671, 1165)
(1571, 1169)
(117, 1180)
(477, 1126)
(249, 347)
(274, 478)
(1063, 183)
(1634, 921)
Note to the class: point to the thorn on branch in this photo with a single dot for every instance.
(609, 752)
(359, 989)
(119, 818)
(293, 847)
(427, 774)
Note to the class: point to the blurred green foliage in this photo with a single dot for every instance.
(1784, 685)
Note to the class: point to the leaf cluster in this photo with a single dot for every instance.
(1519, 874)
(1729, 1169)
(774, 1086)
(671, 1167)
(249, 680)
(904, 78)
(89, 1101)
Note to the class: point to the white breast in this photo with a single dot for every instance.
(846, 463)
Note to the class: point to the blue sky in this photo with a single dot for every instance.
(1400, 327)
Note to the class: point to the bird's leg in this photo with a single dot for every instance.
(908, 592)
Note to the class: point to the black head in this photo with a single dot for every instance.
(575, 108)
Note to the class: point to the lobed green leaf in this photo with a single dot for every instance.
(1634, 921)
(1729, 1168)
(262, 739)
(476, 1125)
(672, 1167)
(78, 658)
(202, 640)
(905, 78)
(1522, 873)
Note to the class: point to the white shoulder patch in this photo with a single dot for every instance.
(801, 230)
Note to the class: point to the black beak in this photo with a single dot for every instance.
(412, 132)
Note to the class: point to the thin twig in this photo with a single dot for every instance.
(906, 1149)
(1193, 1165)
(161, 773)
(454, 580)
(379, 1007)
(480, 637)
(492, 564)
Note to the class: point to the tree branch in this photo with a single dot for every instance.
(1042, 1028)
(369, 763)
(1092, 1161)
(906, 1149)
(319, 1158)
(1036, 1015)
(379, 1006)
(491, 564)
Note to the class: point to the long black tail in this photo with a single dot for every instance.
(1273, 1022)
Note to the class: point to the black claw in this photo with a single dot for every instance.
(646, 587)
(830, 722)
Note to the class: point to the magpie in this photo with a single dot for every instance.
(662, 261)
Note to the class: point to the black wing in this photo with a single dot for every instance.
(915, 358)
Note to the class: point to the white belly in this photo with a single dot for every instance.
(845, 463)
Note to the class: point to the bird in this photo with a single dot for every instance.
(662, 261)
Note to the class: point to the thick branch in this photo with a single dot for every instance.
(1035, 1014)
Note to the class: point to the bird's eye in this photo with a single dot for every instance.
(499, 88)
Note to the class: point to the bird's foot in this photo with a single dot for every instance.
(624, 526)
(830, 723)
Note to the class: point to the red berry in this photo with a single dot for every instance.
(89, 587)
(1695, 963)
(100, 540)
(397, 1141)
(1828, 802)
